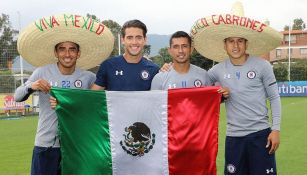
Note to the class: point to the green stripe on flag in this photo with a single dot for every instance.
(83, 131)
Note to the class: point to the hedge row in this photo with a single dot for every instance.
(298, 71)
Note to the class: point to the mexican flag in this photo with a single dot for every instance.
(138, 132)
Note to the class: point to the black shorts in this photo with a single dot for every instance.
(248, 155)
(46, 161)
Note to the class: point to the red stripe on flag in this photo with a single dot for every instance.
(193, 116)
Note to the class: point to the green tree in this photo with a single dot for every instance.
(281, 72)
(166, 57)
(146, 50)
(8, 43)
(157, 59)
(93, 17)
(201, 61)
(163, 57)
(298, 70)
(298, 24)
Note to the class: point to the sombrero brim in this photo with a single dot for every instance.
(208, 37)
(37, 41)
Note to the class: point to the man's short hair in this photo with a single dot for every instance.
(57, 45)
(134, 23)
(180, 34)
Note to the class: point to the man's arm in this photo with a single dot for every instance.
(271, 89)
(274, 139)
(22, 93)
(225, 92)
(97, 87)
(212, 80)
(34, 83)
(157, 81)
(212, 74)
(101, 82)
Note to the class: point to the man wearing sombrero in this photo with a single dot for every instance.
(59, 44)
(251, 142)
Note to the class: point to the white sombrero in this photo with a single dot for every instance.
(209, 33)
(37, 41)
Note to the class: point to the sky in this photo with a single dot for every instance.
(162, 17)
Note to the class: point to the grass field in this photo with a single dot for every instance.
(17, 138)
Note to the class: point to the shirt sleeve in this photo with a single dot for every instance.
(212, 76)
(271, 89)
(156, 83)
(207, 79)
(92, 78)
(101, 76)
(24, 91)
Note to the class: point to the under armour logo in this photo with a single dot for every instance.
(53, 84)
(119, 72)
(171, 86)
(268, 171)
(226, 76)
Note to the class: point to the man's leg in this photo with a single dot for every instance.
(260, 161)
(45, 161)
(235, 156)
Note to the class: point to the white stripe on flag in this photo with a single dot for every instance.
(147, 109)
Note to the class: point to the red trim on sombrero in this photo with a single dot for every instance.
(36, 42)
(209, 32)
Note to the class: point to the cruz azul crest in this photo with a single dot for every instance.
(138, 139)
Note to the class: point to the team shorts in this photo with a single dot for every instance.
(46, 161)
(248, 155)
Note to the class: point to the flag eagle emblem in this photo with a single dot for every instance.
(138, 139)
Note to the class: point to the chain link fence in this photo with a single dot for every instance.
(14, 71)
